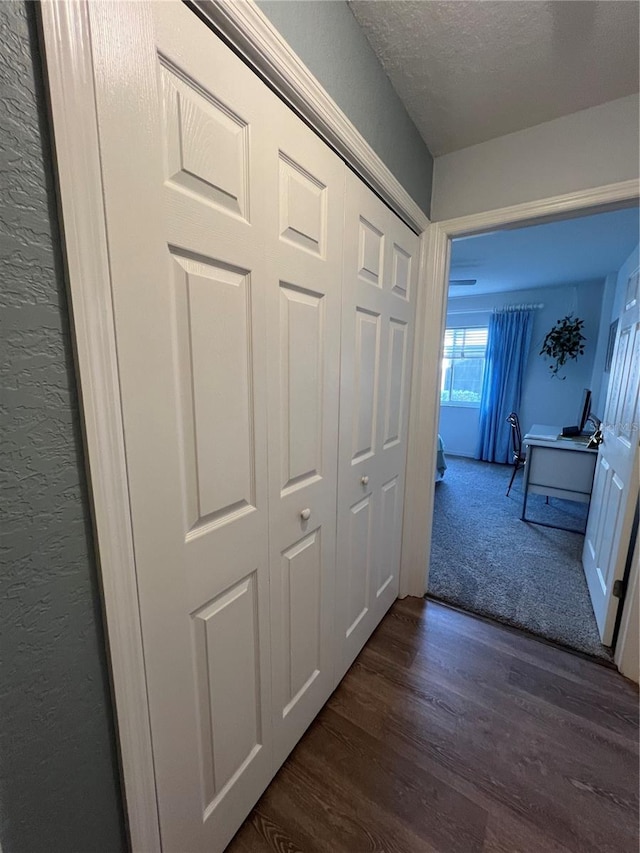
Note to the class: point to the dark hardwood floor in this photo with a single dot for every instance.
(454, 735)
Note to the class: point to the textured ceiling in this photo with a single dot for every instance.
(570, 251)
(468, 71)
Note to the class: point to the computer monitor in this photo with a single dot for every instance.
(585, 408)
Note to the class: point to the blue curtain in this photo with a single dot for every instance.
(506, 359)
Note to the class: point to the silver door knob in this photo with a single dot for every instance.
(305, 515)
(364, 480)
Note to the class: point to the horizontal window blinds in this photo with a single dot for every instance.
(465, 343)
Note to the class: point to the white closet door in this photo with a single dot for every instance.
(379, 284)
(189, 206)
(303, 356)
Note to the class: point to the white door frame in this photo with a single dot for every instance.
(430, 321)
(66, 37)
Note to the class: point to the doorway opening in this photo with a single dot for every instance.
(484, 557)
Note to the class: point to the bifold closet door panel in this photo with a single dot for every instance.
(303, 356)
(380, 271)
(189, 207)
(399, 284)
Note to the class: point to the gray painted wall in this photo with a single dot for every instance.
(59, 787)
(330, 42)
(590, 148)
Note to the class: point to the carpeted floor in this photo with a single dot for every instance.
(484, 559)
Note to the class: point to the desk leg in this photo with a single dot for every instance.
(525, 484)
(523, 517)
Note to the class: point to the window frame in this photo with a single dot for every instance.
(463, 404)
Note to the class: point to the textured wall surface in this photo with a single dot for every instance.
(470, 71)
(59, 787)
(332, 45)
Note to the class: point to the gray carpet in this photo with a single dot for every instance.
(484, 559)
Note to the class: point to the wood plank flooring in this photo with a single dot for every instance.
(453, 735)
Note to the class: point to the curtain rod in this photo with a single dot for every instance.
(523, 307)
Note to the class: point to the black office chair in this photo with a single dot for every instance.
(519, 457)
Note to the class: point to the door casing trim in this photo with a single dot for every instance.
(429, 334)
(65, 33)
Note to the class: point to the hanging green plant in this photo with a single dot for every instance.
(563, 342)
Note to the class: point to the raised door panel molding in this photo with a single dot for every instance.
(359, 563)
(371, 253)
(301, 585)
(396, 384)
(388, 553)
(228, 688)
(301, 383)
(206, 144)
(303, 208)
(366, 367)
(610, 501)
(401, 273)
(214, 342)
(627, 419)
(614, 397)
(594, 531)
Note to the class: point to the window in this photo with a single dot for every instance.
(463, 366)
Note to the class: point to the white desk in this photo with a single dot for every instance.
(557, 467)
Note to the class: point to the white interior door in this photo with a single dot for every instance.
(303, 354)
(615, 485)
(379, 288)
(189, 205)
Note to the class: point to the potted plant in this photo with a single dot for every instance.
(564, 341)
